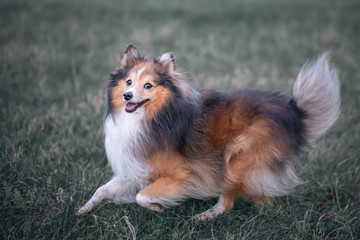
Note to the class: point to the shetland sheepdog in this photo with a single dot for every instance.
(166, 141)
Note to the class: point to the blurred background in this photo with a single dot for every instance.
(55, 60)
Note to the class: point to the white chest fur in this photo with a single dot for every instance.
(123, 131)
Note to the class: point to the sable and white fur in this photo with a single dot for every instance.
(166, 141)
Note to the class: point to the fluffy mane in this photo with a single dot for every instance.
(174, 125)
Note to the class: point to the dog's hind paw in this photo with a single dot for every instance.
(209, 214)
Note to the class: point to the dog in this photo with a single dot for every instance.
(166, 141)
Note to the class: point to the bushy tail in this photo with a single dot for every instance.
(317, 93)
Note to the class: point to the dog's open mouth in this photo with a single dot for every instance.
(131, 107)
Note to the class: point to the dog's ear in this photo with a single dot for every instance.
(167, 62)
(130, 57)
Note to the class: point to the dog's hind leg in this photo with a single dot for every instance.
(262, 201)
(106, 191)
(225, 203)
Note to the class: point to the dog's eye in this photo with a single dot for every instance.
(147, 86)
(128, 82)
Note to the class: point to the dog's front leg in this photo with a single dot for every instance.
(164, 192)
(106, 191)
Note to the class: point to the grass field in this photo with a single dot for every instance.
(55, 59)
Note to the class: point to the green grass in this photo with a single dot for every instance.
(55, 59)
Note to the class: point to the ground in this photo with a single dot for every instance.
(55, 60)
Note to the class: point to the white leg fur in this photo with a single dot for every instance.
(149, 203)
(107, 191)
(212, 212)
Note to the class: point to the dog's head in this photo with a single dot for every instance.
(139, 85)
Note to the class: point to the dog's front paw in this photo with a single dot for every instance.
(155, 207)
(148, 203)
(86, 208)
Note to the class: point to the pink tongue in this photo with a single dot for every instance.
(130, 106)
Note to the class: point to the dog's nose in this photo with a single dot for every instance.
(128, 96)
